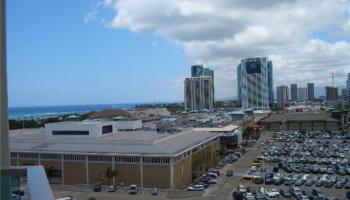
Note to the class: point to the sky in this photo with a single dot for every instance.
(131, 51)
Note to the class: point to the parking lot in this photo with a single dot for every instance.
(314, 163)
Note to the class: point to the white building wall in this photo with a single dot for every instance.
(94, 128)
(128, 125)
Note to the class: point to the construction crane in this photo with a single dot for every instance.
(333, 74)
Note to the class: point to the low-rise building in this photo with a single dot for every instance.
(300, 121)
(144, 158)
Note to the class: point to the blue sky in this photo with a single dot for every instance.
(140, 50)
(54, 58)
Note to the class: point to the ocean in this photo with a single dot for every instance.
(54, 111)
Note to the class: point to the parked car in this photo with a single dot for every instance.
(133, 189)
(212, 181)
(285, 193)
(155, 191)
(229, 173)
(111, 188)
(97, 187)
(196, 188)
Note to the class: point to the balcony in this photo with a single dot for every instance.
(15, 179)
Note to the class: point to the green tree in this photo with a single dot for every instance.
(110, 174)
(248, 132)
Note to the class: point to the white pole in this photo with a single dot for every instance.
(4, 151)
(4, 161)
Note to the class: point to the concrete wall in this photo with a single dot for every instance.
(183, 173)
(318, 126)
(128, 174)
(156, 175)
(306, 126)
(28, 162)
(128, 125)
(97, 173)
(74, 173)
(332, 126)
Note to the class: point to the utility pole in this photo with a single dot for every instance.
(4, 152)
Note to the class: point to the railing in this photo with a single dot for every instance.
(11, 183)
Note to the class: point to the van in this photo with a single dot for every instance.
(270, 195)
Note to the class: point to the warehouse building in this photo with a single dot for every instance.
(300, 121)
(143, 158)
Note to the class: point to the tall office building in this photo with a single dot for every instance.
(310, 91)
(255, 83)
(294, 92)
(199, 93)
(270, 83)
(199, 70)
(282, 96)
(302, 94)
(348, 90)
(331, 94)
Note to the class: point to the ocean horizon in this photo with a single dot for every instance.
(54, 111)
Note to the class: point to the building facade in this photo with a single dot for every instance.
(294, 92)
(143, 158)
(331, 94)
(282, 96)
(347, 96)
(311, 91)
(199, 70)
(302, 94)
(255, 83)
(199, 93)
(300, 121)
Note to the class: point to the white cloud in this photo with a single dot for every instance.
(292, 33)
(91, 16)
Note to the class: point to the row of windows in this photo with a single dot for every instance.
(125, 159)
(28, 155)
(100, 158)
(50, 156)
(70, 132)
(74, 157)
(155, 160)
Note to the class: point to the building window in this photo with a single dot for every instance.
(156, 160)
(28, 156)
(13, 155)
(50, 156)
(70, 132)
(126, 159)
(100, 158)
(74, 157)
(107, 129)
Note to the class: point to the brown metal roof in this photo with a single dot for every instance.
(299, 117)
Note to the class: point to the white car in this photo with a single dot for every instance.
(196, 188)
(213, 181)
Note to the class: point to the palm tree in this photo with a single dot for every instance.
(109, 174)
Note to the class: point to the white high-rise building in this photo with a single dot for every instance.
(255, 83)
(302, 94)
(199, 93)
(282, 96)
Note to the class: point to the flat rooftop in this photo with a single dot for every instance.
(299, 117)
(118, 143)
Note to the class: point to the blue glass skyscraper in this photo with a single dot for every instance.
(255, 83)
